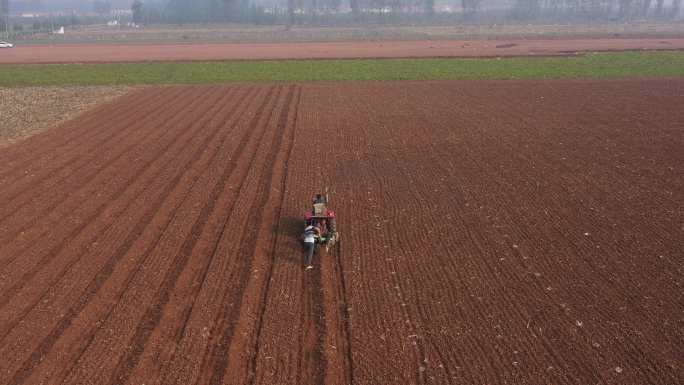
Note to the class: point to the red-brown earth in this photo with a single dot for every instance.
(492, 232)
(116, 52)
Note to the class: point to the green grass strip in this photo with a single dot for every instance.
(592, 66)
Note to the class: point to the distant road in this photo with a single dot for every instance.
(110, 53)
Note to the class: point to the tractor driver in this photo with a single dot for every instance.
(319, 199)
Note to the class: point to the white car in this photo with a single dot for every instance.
(4, 44)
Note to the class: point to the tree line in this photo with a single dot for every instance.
(342, 11)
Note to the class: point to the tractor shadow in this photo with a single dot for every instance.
(291, 229)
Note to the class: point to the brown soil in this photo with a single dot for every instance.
(27, 111)
(485, 238)
(94, 53)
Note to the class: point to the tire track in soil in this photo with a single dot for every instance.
(55, 158)
(313, 362)
(10, 287)
(333, 342)
(132, 235)
(339, 319)
(298, 352)
(381, 130)
(312, 358)
(154, 314)
(337, 342)
(25, 221)
(144, 222)
(143, 289)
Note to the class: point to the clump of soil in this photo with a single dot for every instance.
(27, 111)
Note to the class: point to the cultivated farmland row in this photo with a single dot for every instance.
(492, 232)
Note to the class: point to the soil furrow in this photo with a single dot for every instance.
(106, 271)
(492, 232)
(18, 222)
(338, 345)
(283, 122)
(121, 277)
(170, 329)
(138, 295)
(154, 313)
(25, 271)
(216, 360)
(36, 206)
(57, 159)
(44, 145)
(132, 236)
(153, 250)
(243, 347)
(127, 203)
(184, 366)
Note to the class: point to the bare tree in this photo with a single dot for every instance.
(626, 9)
(290, 13)
(136, 9)
(4, 17)
(470, 8)
(429, 6)
(676, 6)
(354, 5)
(526, 9)
(102, 7)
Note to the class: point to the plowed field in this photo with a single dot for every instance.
(113, 53)
(492, 233)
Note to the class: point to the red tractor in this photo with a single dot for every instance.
(324, 219)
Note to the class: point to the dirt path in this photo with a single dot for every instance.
(107, 53)
(485, 239)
